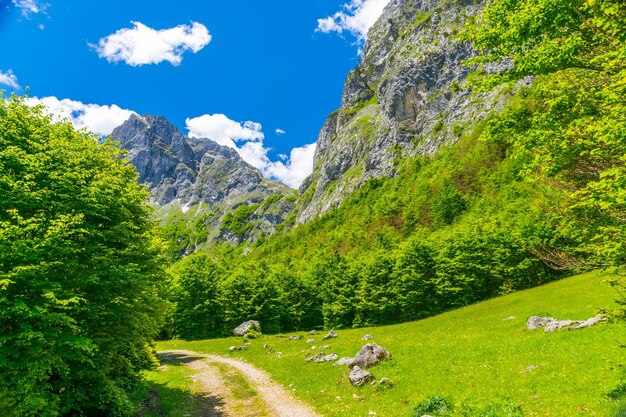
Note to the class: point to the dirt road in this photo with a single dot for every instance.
(232, 388)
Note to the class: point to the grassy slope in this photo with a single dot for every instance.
(470, 354)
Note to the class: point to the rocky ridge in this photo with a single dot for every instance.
(409, 95)
(197, 180)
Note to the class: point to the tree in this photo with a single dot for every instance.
(198, 313)
(79, 270)
(571, 121)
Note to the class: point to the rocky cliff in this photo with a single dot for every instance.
(409, 95)
(197, 180)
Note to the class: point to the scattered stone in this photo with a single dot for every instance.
(370, 355)
(330, 335)
(589, 322)
(385, 382)
(247, 328)
(367, 337)
(344, 361)
(329, 358)
(536, 322)
(530, 368)
(323, 347)
(237, 348)
(359, 377)
(550, 324)
(295, 337)
(558, 325)
(314, 358)
(510, 318)
(279, 335)
(310, 340)
(322, 358)
(313, 332)
(265, 346)
(270, 351)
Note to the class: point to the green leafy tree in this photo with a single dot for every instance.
(198, 313)
(571, 121)
(79, 270)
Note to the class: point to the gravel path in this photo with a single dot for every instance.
(277, 400)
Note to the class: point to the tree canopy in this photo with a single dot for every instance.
(79, 270)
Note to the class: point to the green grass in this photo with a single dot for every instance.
(471, 355)
(174, 384)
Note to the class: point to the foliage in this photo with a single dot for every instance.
(238, 220)
(79, 270)
(571, 121)
(446, 232)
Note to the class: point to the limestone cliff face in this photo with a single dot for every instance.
(409, 95)
(195, 179)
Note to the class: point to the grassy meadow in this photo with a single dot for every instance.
(479, 357)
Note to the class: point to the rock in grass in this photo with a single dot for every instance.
(330, 335)
(558, 325)
(344, 361)
(313, 332)
(359, 377)
(310, 340)
(329, 358)
(236, 348)
(322, 358)
(295, 337)
(247, 328)
(367, 337)
(589, 322)
(370, 355)
(550, 324)
(536, 322)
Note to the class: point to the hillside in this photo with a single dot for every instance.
(476, 356)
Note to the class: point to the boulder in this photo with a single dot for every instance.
(330, 335)
(359, 377)
(589, 322)
(536, 322)
(247, 327)
(344, 361)
(314, 358)
(558, 325)
(551, 324)
(328, 358)
(370, 355)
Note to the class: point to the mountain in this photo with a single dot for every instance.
(409, 95)
(198, 183)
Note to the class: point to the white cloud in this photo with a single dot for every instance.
(98, 119)
(357, 17)
(223, 130)
(142, 45)
(247, 138)
(30, 6)
(280, 132)
(9, 79)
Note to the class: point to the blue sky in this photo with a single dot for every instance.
(258, 76)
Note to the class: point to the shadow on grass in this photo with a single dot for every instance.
(165, 400)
